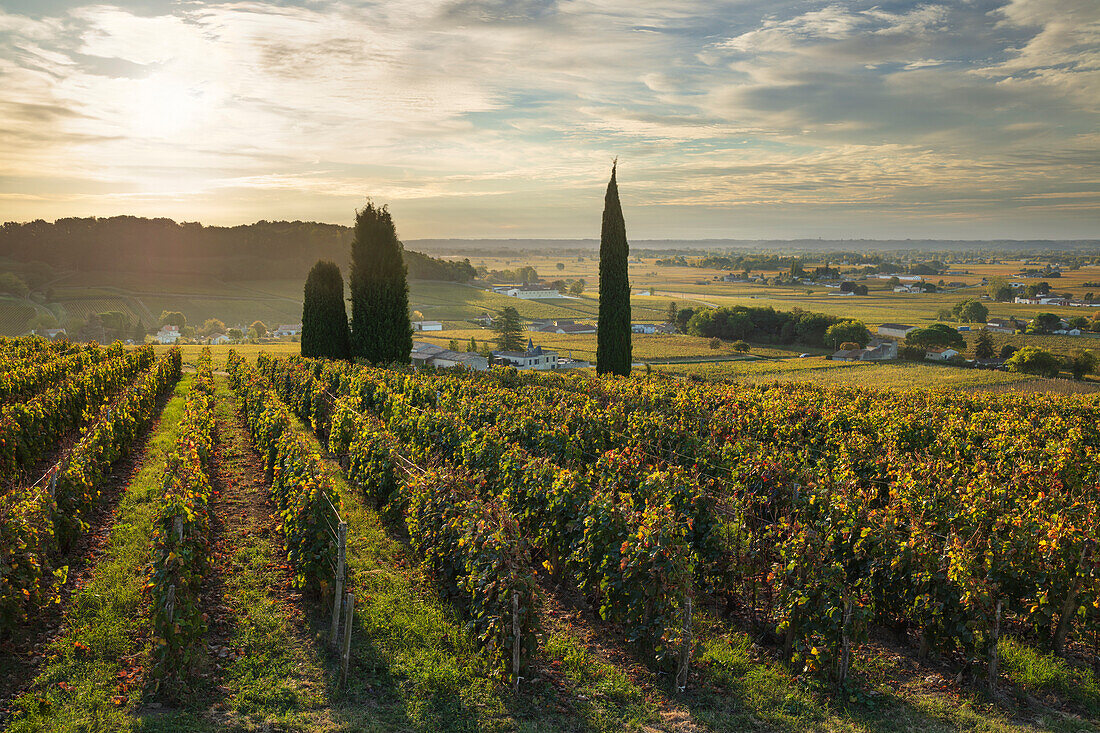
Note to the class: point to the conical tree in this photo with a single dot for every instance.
(613, 354)
(381, 332)
(324, 317)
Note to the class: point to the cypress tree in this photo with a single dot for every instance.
(324, 317)
(381, 332)
(613, 355)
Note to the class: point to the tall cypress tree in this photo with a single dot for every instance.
(324, 317)
(613, 354)
(380, 329)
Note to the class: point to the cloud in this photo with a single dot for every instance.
(739, 110)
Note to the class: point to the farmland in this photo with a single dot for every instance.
(481, 511)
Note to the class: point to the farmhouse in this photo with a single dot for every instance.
(527, 292)
(287, 329)
(644, 328)
(425, 354)
(1001, 325)
(877, 350)
(167, 335)
(535, 357)
(52, 333)
(218, 338)
(427, 325)
(937, 354)
(895, 330)
(561, 326)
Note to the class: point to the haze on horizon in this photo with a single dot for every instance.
(488, 118)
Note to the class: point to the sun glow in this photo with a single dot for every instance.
(165, 106)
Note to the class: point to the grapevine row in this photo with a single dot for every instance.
(39, 524)
(303, 490)
(29, 429)
(26, 378)
(182, 529)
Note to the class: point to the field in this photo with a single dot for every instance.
(482, 511)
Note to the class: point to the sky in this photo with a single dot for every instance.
(488, 118)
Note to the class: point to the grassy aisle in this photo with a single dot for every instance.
(258, 667)
(94, 675)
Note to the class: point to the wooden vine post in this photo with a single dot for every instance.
(994, 639)
(517, 641)
(338, 595)
(349, 616)
(685, 647)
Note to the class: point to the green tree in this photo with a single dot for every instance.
(670, 315)
(527, 275)
(1033, 360)
(983, 345)
(853, 331)
(13, 284)
(970, 311)
(1082, 362)
(936, 335)
(324, 316)
(560, 266)
(682, 317)
(577, 287)
(235, 333)
(257, 330)
(999, 289)
(116, 324)
(1044, 323)
(741, 346)
(212, 326)
(380, 329)
(43, 320)
(138, 334)
(613, 352)
(173, 318)
(472, 346)
(509, 329)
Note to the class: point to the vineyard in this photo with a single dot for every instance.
(815, 513)
(405, 548)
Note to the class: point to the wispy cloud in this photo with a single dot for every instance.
(480, 116)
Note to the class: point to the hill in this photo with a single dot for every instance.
(264, 250)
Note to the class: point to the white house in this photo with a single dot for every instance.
(427, 325)
(895, 330)
(937, 354)
(535, 357)
(53, 333)
(287, 329)
(643, 328)
(218, 338)
(528, 292)
(167, 335)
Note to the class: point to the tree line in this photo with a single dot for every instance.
(266, 249)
